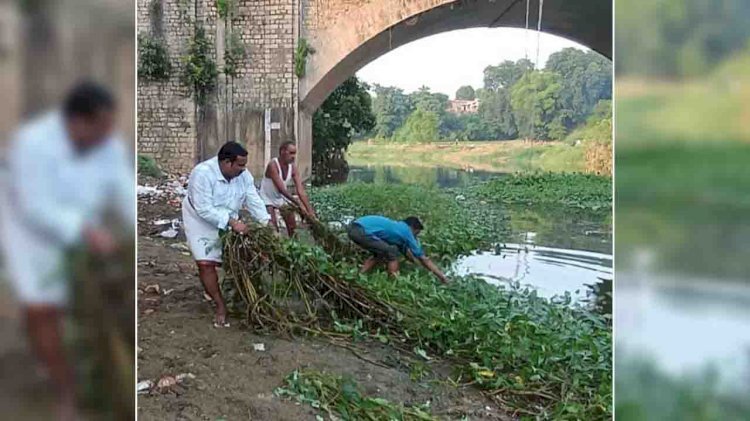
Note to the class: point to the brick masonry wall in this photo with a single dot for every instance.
(173, 130)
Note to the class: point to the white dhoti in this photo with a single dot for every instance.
(202, 237)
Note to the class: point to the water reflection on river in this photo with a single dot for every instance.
(442, 177)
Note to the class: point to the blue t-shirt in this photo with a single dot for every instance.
(392, 232)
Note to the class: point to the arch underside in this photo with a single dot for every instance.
(587, 22)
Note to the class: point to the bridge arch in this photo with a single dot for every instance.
(361, 31)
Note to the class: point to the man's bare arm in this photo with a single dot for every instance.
(301, 191)
(273, 172)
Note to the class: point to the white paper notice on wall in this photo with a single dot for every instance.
(275, 125)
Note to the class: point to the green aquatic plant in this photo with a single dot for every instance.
(341, 397)
(573, 190)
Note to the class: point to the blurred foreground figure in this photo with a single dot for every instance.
(66, 170)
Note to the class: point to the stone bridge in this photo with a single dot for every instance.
(265, 103)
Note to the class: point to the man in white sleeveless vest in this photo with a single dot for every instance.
(217, 189)
(281, 173)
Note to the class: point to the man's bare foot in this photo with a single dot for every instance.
(221, 318)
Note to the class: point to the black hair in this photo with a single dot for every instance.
(414, 222)
(285, 145)
(86, 99)
(231, 150)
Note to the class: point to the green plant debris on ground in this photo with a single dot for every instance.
(341, 396)
(536, 357)
(543, 357)
(147, 166)
(575, 190)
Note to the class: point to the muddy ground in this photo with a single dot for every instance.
(25, 393)
(231, 380)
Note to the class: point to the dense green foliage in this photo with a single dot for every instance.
(147, 166)
(199, 67)
(346, 112)
(576, 190)
(546, 357)
(537, 107)
(224, 8)
(548, 104)
(234, 53)
(153, 59)
(678, 37)
(300, 57)
(341, 396)
(391, 107)
(421, 126)
(451, 228)
(586, 79)
(466, 92)
(551, 359)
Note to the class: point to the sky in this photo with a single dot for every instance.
(446, 61)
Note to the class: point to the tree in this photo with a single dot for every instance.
(535, 99)
(496, 114)
(346, 112)
(670, 38)
(586, 79)
(466, 93)
(421, 126)
(433, 102)
(506, 74)
(391, 108)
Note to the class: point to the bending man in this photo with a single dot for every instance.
(217, 189)
(280, 173)
(386, 239)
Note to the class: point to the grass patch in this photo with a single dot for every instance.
(582, 191)
(499, 156)
(341, 396)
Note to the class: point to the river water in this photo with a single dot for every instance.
(554, 251)
(682, 324)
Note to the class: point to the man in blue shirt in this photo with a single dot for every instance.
(386, 239)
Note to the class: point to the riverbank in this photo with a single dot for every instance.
(495, 156)
(507, 352)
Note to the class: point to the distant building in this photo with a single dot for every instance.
(462, 106)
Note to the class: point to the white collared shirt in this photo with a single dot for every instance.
(52, 193)
(216, 200)
(55, 191)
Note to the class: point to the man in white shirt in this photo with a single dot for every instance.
(65, 171)
(217, 189)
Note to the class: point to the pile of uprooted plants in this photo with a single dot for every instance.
(103, 330)
(534, 357)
